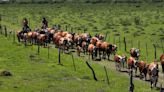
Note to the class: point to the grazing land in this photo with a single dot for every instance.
(140, 25)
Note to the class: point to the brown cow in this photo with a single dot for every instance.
(98, 46)
(108, 49)
(92, 50)
(119, 60)
(63, 43)
(79, 49)
(162, 62)
(104, 46)
(135, 53)
(64, 34)
(132, 64)
(100, 36)
(42, 39)
(56, 39)
(20, 36)
(142, 69)
(94, 40)
(34, 37)
(153, 73)
(25, 36)
(84, 47)
(85, 36)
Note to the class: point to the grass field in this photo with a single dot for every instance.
(45, 75)
(142, 24)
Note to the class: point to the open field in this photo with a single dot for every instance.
(45, 75)
(140, 25)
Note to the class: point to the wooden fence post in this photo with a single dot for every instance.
(0, 24)
(119, 43)
(131, 43)
(29, 23)
(106, 35)
(73, 62)
(66, 27)
(38, 48)
(114, 40)
(71, 29)
(48, 51)
(25, 41)
(59, 62)
(162, 45)
(85, 29)
(155, 52)
(106, 75)
(13, 36)
(5, 31)
(0, 18)
(0, 29)
(94, 76)
(146, 53)
(125, 43)
(138, 44)
(131, 87)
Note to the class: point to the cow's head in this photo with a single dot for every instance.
(137, 52)
(124, 58)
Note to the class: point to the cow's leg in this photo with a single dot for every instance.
(140, 74)
(89, 55)
(108, 54)
(156, 80)
(18, 38)
(151, 84)
(119, 64)
(104, 55)
(116, 65)
(92, 56)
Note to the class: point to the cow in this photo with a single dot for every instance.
(20, 36)
(34, 37)
(26, 37)
(41, 39)
(94, 40)
(100, 36)
(63, 43)
(142, 69)
(119, 60)
(153, 73)
(79, 50)
(132, 64)
(84, 47)
(134, 52)
(98, 45)
(85, 36)
(162, 62)
(108, 49)
(92, 51)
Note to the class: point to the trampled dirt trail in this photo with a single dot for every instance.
(110, 65)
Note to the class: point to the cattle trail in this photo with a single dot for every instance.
(110, 65)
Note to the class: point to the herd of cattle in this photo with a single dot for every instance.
(96, 47)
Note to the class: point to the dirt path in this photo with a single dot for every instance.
(110, 65)
(124, 71)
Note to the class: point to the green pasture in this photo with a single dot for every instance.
(140, 25)
(144, 24)
(37, 73)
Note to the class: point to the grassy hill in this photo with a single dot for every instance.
(139, 25)
(41, 74)
(142, 24)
